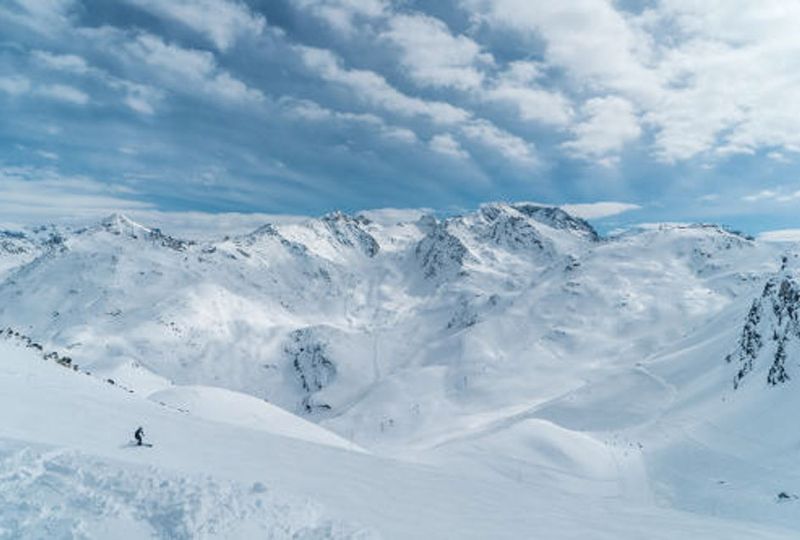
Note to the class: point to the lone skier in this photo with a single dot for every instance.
(139, 436)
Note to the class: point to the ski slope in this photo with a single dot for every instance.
(68, 470)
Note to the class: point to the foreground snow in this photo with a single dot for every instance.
(67, 469)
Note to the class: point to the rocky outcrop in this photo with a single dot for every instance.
(441, 254)
(771, 332)
(558, 219)
(311, 367)
(347, 231)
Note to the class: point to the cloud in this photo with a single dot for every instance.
(62, 62)
(376, 91)
(508, 145)
(694, 70)
(342, 15)
(373, 88)
(52, 156)
(138, 97)
(599, 210)
(447, 145)
(780, 157)
(188, 70)
(63, 93)
(609, 123)
(46, 17)
(780, 235)
(314, 112)
(222, 21)
(35, 195)
(366, 100)
(519, 87)
(593, 42)
(15, 85)
(433, 56)
(773, 195)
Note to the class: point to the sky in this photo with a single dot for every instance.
(626, 111)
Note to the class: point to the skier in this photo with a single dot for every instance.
(139, 435)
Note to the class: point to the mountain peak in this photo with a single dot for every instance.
(348, 231)
(120, 224)
(556, 218)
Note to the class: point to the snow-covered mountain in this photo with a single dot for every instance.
(513, 345)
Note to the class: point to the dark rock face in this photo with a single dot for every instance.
(312, 368)
(771, 330)
(506, 227)
(13, 244)
(348, 231)
(557, 218)
(440, 253)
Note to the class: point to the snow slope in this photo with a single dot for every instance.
(494, 375)
(67, 470)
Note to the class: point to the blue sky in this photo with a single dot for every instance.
(671, 110)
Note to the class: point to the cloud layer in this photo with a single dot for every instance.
(304, 106)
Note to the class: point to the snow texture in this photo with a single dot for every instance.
(506, 373)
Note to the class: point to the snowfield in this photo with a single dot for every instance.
(503, 374)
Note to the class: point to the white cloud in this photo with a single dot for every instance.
(375, 90)
(433, 56)
(61, 62)
(789, 197)
(64, 93)
(52, 156)
(696, 71)
(507, 144)
(312, 111)
(518, 86)
(447, 145)
(780, 157)
(590, 39)
(189, 70)
(138, 97)
(781, 235)
(400, 134)
(599, 210)
(341, 15)
(223, 21)
(35, 195)
(778, 195)
(47, 17)
(765, 194)
(610, 123)
(15, 85)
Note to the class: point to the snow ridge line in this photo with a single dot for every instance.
(62, 360)
(10, 334)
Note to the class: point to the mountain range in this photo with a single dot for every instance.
(649, 373)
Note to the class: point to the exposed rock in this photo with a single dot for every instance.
(771, 330)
